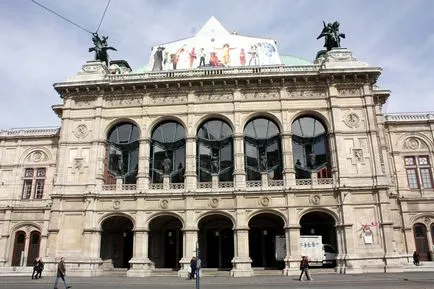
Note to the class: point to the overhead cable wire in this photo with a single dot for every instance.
(64, 18)
(103, 15)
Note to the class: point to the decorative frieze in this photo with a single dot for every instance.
(214, 97)
(123, 101)
(306, 93)
(168, 99)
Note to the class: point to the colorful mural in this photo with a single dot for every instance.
(214, 47)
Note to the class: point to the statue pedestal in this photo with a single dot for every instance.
(92, 70)
(166, 182)
(215, 181)
(264, 179)
(339, 58)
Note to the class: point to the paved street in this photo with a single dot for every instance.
(371, 281)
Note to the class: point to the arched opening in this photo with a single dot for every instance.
(117, 241)
(264, 228)
(262, 149)
(320, 224)
(310, 148)
(421, 241)
(35, 241)
(216, 242)
(165, 242)
(122, 155)
(167, 155)
(214, 151)
(19, 244)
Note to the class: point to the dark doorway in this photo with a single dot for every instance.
(35, 240)
(117, 241)
(216, 242)
(262, 240)
(322, 224)
(19, 244)
(421, 241)
(166, 242)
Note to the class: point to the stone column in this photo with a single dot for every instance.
(287, 160)
(190, 164)
(239, 170)
(4, 238)
(143, 173)
(241, 262)
(350, 257)
(293, 254)
(141, 265)
(190, 240)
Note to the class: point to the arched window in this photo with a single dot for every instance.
(309, 148)
(262, 149)
(122, 153)
(214, 151)
(167, 155)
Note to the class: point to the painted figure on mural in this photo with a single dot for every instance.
(253, 55)
(174, 58)
(192, 57)
(202, 55)
(242, 57)
(214, 60)
(226, 58)
(158, 59)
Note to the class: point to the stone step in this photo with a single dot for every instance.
(425, 266)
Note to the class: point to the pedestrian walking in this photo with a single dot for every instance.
(416, 258)
(35, 269)
(61, 271)
(40, 268)
(304, 267)
(193, 267)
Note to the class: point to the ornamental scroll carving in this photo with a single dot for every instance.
(214, 203)
(81, 131)
(352, 120)
(412, 143)
(264, 201)
(315, 199)
(37, 157)
(164, 203)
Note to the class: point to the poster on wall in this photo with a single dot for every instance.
(209, 52)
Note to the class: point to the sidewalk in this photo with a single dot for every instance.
(388, 280)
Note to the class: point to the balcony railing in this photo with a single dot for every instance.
(125, 187)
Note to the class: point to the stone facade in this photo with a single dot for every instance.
(370, 207)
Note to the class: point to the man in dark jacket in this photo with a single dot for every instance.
(61, 271)
(193, 267)
(304, 267)
(35, 269)
(40, 268)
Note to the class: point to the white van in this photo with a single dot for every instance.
(330, 254)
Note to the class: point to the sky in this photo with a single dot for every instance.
(39, 48)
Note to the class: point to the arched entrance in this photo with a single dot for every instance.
(262, 240)
(117, 241)
(321, 224)
(216, 242)
(421, 241)
(33, 253)
(19, 244)
(165, 242)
